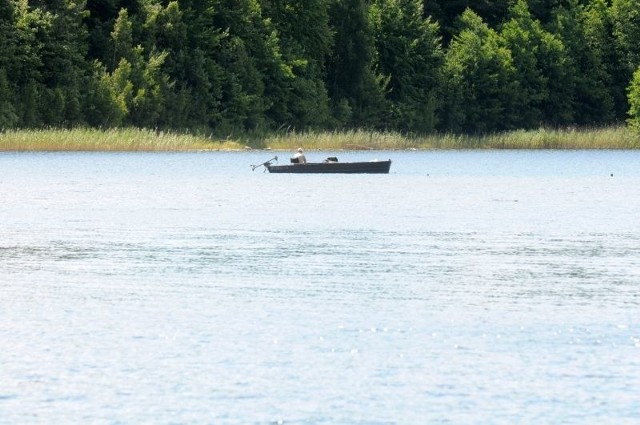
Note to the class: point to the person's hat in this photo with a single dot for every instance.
(300, 150)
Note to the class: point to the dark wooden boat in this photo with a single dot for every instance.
(329, 166)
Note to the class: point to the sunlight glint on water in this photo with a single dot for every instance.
(469, 287)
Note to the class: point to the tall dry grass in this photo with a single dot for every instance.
(339, 140)
(604, 138)
(125, 139)
(132, 139)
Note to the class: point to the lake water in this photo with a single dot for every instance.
(464, 287)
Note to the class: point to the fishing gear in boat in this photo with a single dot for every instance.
(265, 164)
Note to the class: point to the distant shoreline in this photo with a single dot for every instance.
(142, 140)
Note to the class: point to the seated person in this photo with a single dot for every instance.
(299, 157)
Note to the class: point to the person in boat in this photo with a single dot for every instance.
(299, 157)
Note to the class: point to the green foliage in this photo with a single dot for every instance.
(625, 15)
(351, 80)
(120, 91)
(481, 87)
(539, 58)
(447, 13)
(8, 36)
(8, 116)
(122, 37)
(102, 107)
(588, 80)
(184, 31)
(633, 93)
(235, 65)
(410, 54)
(598, 29)
(305, 40)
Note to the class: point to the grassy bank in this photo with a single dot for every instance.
(607, 138)
(113, 140)
(131, 139)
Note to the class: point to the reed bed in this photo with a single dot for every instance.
(112, 140)
(132, 139)
(604, 138)
(339, 140)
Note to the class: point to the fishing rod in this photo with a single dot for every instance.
(264, 164)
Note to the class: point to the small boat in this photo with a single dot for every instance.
(328, 166)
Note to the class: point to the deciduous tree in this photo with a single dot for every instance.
(591, 100)
(481, 86)
(633, 92)
(540, 60)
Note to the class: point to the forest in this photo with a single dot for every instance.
(225, 66)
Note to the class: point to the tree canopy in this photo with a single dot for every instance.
(244, 65)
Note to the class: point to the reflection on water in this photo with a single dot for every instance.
(463, 287)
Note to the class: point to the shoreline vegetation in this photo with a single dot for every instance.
(143, 140)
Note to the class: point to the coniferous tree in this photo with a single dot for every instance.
(598, 29)
(8, 116)
(186, 31)
(591, 101)
(64, 61)
(27, 70)
(481, 88)
(8, 36)
(100, 19)
(105, 106)
(625, 15)
(410, 54)
(306, 41)
(540, 61)
(356, 92)
(447, 13)
(138, 84)
(242, 99)
(227, 65)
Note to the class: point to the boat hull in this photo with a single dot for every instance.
(372, 167)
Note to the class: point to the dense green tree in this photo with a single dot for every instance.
(226, 65)
(102, 108)
(138, 85)
(481, 85)
(306, 41)
(448, 12)
(598, 29)
(357, 93)
(122, 39)
(49, 62)
(255, 73)
(7, 35)
(8, 116)
(625, 15)
(64, 63)
(591, 100)
(633, 92)
(27, 63)
(540, 60)
(185, 31)
(624, 57)
(100, 19)
(410, 54)
(544, 10)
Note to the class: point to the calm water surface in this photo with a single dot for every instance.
(464, 287)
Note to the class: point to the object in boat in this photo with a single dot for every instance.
(328, 166)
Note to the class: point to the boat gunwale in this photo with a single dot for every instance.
(359, 167)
